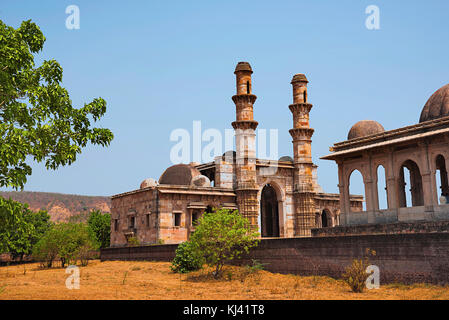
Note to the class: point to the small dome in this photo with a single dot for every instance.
(243, 66)
(180, 174)
(229, 154)
(437, 106)
(365, 128)
(148, 183)
(201, 181)
(286, 159)
(299, 78)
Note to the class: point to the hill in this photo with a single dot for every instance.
(61, 207)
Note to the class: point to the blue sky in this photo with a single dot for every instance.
(161, 65)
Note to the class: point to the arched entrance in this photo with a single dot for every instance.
(324, 219)
(409, 172)
(269, 212)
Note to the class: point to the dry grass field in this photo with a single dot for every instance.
(154, 280)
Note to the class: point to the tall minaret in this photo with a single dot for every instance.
(245, 140)
(303, 178)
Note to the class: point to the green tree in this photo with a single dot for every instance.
(187, 258)
(69, 242)
(37, 119)
(40, 220)
(222, 236)
(16, 233)
(100, 228)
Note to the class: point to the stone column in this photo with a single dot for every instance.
(301, 133)
(245, 137)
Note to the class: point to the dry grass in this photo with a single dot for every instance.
(154, 280)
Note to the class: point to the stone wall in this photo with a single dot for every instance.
(403, 258)
(390, 228)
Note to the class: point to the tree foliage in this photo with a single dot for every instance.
(187, 258)
(222, 236)
(20, 228)
(68, 242)
(100, 228)
(37, 119)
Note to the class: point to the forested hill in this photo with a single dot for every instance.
(61, 207)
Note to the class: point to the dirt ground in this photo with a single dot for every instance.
(154, 280)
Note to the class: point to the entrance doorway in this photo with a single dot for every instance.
(269, 212)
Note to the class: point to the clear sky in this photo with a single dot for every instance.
(161, 65)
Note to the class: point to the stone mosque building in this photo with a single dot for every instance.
(414, 160)
(279, 198)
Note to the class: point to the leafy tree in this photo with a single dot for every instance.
(100, 228)
(20, 228)
(40, 220)
(187, 258)
(67, 241)
(15, 232)
(37, 119)
(222, 236)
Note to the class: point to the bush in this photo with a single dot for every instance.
(67, 241)
(100, 228)
(222, 236)
(133, 242)
(187, 258)
(355, 275)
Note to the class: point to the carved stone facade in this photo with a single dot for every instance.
(417, 155)
(279, 198)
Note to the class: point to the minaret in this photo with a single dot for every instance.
(245, 140)
(301, 133)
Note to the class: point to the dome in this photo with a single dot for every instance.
(299, 78)
(228, 154)
(365, 128)
(201, 181)
(437, 106)
(148, 183)
(243, 66)
(286, 159)
(180, 174)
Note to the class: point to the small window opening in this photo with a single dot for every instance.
(115, 224)
(195, 217)
(148, 220)
(132, 221)
(247, 87)
(177, 219)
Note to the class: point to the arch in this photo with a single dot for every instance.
(441, 180)
(280, 192)
(326, 218)
(356, 180)
(269, 212)
(409, 174)
(382, 192)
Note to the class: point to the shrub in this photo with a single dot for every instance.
(100, 228)
(187, 258)
(67, 241)
(222, 236)
(355, 275)
(133, 241)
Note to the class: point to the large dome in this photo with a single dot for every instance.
(365, 128)
(180, 174)
(437, 106)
